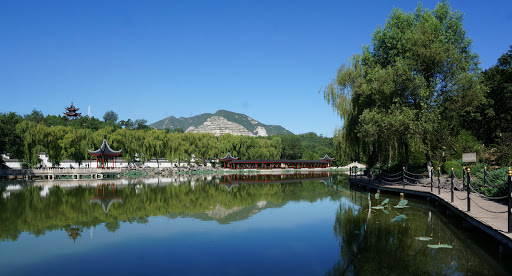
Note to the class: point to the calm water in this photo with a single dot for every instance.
(238, 225)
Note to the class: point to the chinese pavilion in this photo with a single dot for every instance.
(227, 159)
(327, 158)
(104, 153)
(105, 200)
(72, 111)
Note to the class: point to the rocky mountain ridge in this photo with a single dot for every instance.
(219, 123)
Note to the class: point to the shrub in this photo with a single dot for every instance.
(477, 168)
(496, 182)
(447, 166)
(465, 142)
(504, 149)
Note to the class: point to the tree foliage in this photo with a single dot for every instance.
(27, 211)
(417, 79)
(110, 116)
(68, 142)
(25, 138)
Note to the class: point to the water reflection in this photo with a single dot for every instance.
(105, 200)
(304, 224)
(403, 241)
(40, 206)
(74, 232)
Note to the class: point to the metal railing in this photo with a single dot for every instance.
(488, 181)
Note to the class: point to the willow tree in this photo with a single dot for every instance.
(174, 147)
(154, 144)
(33, 136)
(406, 85)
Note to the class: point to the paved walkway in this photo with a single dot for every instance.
(488, 215)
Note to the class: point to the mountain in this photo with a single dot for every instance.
(226, 216)
(221, 122)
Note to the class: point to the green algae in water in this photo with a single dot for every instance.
(399, 218)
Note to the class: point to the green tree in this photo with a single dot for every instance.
(292, 148)
(173, 147)
(496, 126)
(54, 137)
(110, 116)
(418, 75)
(498, 79)
(175, 130)
(74, 144)
(33, 136)
(35, 116)
(154, 144)
(127, 124)
(10, 140)
(141, 124)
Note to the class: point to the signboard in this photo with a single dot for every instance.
(469, 157)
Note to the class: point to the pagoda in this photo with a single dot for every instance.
(72, 111)
(74, 232)
(327, 158)
(104, 153)
(228, 159)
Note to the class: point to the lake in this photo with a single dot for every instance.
(293, 224)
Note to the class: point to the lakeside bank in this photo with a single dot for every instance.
(488, 216)
(98, 173)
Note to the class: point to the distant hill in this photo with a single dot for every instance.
(226, 216)
(221, 122)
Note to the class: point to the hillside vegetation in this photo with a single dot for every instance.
(24, 137)
(195, 122)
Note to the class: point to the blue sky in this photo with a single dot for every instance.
(153, 59)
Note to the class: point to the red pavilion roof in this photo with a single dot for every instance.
(228, 158)
(105, 149)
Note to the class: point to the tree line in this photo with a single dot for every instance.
(24, 137)
(27, 211)
(417, 95)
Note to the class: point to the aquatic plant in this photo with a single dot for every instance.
(435, 246)
(399, 218)
(402, 204)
